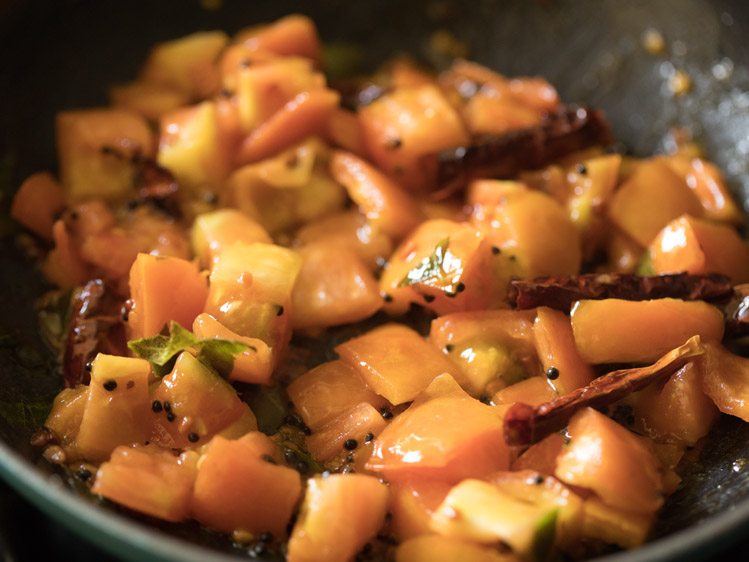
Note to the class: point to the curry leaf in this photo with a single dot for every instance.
(292, 440)
(342, 60)
(54, 318)
(220, 354)
(24, 415)
(645, 266)
(162, 350)
(431, 267)
(270, 406)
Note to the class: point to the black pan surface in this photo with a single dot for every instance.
(65, 53)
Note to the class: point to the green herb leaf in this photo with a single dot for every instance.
(162, 351)
(645, 266)
(543, 538)
(220, 354)
(54, 319)
(269, 404)
(24, 415)
(431, 267)
(342, 60)
(292, 439)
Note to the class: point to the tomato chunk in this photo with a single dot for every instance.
(340, 514)
(150, 480)
(449, 437)
(395, 362)
(614, 330)
(240, 486)
(605, 457)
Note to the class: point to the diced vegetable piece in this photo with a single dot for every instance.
(678, 411)
(624, 253)
(532, 391)
(542, 456)
(592, 185)
(250, 292)
(698, 246)
(412, 503)
(150, 480)
(486, 113)
(615, 526)
(545, 491)
(344, 130)
(487, 345)
(436, 548)
(88, 168)
(560, 359)
(334, 287)
(551, 180)
(243, 425)
(149, 100)
(340, 514)
(442, 385)
(619, 331)
(293, 35)
(188, 64)
(395, 361)
(707, 183)
(305, 115)
(192, 147)
(195, 404)
(255, 365)
(446, 266)
(482, 512)
(117, 406)
(514, 326)
(354, 423)
(240, 486)
(617, 465)
(406, 124)
(64, 265)
(641, 211)
(725, 379)
(329, 390)
(64, 419)
(288, 189)
(263, 84)
(533, 92)
(530, 227)
(402, 71)
(352, 230)
(214, 231)
(114, 250)
(386, 206)
(164, 289)
(37, 203)
(447, 437)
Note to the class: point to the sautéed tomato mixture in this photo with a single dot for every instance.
(416, 315)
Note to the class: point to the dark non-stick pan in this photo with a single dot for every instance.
(60, 54)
